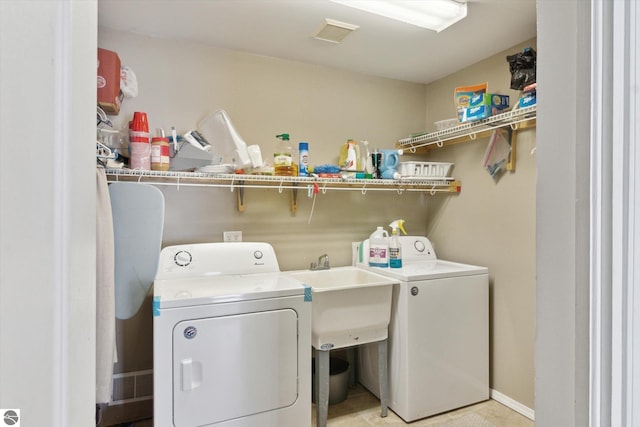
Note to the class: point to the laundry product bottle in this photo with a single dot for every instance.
(379, 248)
(376, 163)
(367, 160)
(283, 164)
(395, 247)
(348, 156)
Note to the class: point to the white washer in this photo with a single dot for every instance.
(438, 334)
(232, 339)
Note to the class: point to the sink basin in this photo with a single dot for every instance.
(350, 306)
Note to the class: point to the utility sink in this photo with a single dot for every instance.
(350, 306)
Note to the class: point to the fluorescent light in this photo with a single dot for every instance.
(432, 14)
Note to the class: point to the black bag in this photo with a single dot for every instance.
(523, 68)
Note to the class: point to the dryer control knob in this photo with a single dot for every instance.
(182, 258)
(419, 246)
(258, 254)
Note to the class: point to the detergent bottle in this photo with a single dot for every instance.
(379, 248)
(348, 156)
(389, 167)
(395, 247)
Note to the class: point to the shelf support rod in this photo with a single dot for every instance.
(240, 196)
(294, 198)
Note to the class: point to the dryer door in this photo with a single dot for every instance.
(234, 366)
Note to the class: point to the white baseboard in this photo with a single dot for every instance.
(512, 404)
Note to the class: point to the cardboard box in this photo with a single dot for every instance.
(527, 99)
(499, 102)
(109, 81)
(471, 114)
(463, 94)
(483, 105)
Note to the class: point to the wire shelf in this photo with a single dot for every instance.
(204, 179)
(510, 118)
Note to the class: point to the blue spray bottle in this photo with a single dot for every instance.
(395, 247)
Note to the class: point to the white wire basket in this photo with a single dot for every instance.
(425, 170)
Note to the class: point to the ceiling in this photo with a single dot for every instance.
(285, 29)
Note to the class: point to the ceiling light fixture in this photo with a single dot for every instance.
(432, 14)
(334, 31)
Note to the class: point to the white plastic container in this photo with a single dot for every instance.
(379, 248)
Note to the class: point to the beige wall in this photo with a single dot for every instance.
(180, 83)
(492, 223)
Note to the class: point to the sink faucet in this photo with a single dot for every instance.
(322, 264)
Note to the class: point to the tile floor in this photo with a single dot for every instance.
(362, 409)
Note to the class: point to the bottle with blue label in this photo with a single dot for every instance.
(379, 248)
(303, 149)
(395, 247)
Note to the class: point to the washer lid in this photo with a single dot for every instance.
(425, 270)
(187, 292)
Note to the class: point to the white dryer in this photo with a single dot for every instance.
(232, 339)
(438, 334)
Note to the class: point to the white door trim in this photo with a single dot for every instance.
(614, 208)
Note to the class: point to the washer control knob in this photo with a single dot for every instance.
(258, 254)
(419, 246)
(182, 258)
(414, 290)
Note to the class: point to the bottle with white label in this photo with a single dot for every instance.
(379, 248)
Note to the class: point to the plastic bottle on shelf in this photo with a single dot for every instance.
(379, 248)
(283, 164)
(303, 148)
(367, 161)
(376, 162)
(349, 156)
(395, 247)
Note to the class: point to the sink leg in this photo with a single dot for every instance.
(383, 377)
(322, 384)
(351, 358)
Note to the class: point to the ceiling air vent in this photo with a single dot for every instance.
(334, 31)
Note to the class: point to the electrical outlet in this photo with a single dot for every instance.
(232, 236)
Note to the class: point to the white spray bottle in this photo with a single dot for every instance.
(395, 247)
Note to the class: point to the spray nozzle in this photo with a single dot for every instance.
(397, 224)
(283, 136)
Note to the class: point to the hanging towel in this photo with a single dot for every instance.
(106, 354)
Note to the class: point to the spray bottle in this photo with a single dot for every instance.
(395, 247)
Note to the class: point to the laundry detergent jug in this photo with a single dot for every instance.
(389, 167)
(379, 248)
